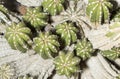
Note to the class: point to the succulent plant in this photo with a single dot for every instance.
(111, 54)
(98, 11)
(53, 6)
(58, 36)
(66, 64)
(46, 44)
(74, 11)
(84, 49)
(35, 17)
(114, 31)
(6, 72)
(18, 36)
(25, 77)
(67, 31)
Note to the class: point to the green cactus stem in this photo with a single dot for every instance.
(84, 49)
(18, 36)
(111, 54)
(98, 11)
(68, 32)
(46, 45)
(35, 17)
(53, 6)
(66, 64)
(6, 72)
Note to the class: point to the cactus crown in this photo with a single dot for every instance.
(53, 6)
(84, 49)
(46, 44)
(66, 64)
(98, 11)
(18, 36)
(68, 32)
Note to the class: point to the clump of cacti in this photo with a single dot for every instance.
(60, 33)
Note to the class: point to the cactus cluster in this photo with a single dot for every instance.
(66, 64)
(36, 31)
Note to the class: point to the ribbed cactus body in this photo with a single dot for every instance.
(35, 17)
(84, 49)
(68, 32)
(53, 6)
(46, 45)
(111, 54)
(66, 64)
(98, 11)
(18, 36)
